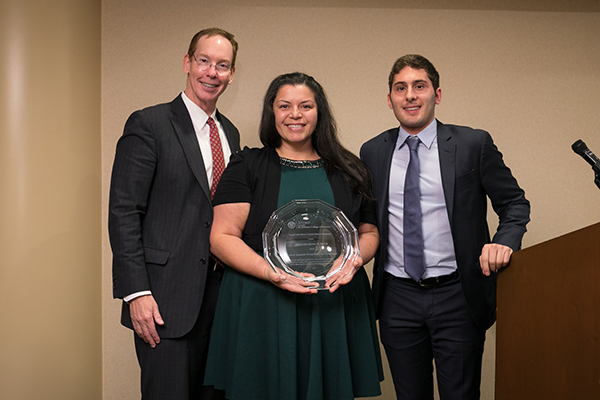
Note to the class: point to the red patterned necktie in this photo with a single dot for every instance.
(217, 155)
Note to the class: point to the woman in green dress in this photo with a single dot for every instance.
(275, 336)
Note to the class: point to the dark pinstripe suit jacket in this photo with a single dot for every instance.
(160, 213)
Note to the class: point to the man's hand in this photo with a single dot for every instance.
(144, 315)
(493, 257)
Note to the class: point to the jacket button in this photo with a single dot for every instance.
(203, 261)
(207, 224)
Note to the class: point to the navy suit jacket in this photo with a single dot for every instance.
(160, 213)
(472, 171)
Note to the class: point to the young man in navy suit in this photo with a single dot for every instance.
(435, 274)
(167, 163)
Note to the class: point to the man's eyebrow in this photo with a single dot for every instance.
(202, 55)
(413, 82)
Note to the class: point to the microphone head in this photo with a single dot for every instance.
(579, 147)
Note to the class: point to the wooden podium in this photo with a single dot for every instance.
(548, 324)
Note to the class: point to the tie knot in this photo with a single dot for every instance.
(413, 142)
(211, 122)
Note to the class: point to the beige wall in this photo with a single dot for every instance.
(50, 200)
(528, 72)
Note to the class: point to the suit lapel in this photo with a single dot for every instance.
(182, 125)
(385, 152)
(231, 137)
(447, 152)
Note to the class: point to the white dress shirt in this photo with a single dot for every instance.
(199, 119)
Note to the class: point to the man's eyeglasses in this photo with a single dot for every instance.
(205, 64)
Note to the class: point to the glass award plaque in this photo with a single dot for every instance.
(310, 239)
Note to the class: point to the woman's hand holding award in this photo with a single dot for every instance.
(311, 240)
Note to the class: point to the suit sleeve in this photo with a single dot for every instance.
(507, 198)
(132, 176)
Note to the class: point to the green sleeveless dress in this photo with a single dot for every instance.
(271, 344)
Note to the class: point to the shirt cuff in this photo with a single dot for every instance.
(132, 296)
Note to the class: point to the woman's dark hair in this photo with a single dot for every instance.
(324, 139)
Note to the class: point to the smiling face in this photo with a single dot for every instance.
(413, 99)
(296, 116)
(205, 86)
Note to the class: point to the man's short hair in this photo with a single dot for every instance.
(213, 32)
(415, 61)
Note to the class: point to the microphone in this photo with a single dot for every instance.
(580, 148)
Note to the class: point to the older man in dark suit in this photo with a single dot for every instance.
(166, 166)
(435, 275)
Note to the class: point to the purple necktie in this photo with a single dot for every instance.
(414, 260)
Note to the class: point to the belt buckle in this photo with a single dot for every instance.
(426, 285)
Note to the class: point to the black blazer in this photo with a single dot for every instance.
(160, 213)
(472, 170)
(253, 176)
